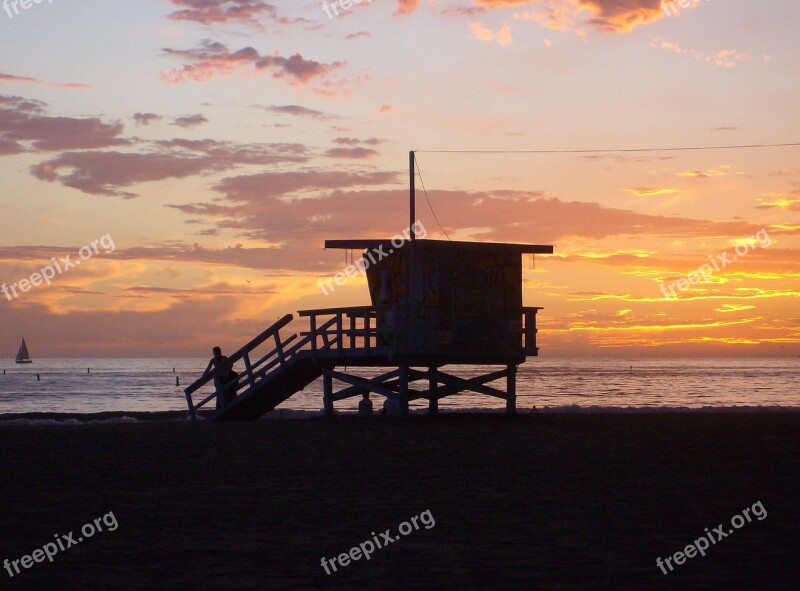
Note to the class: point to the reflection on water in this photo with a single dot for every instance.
(149, 385)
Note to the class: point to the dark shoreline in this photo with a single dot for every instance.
(67, 418)
(551, 501)
(170, 415)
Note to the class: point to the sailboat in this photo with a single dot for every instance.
(22, 355)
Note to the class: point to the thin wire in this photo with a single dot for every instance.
(428, 199)
(593, 151)
(680, 149)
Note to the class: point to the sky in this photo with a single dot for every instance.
(208, 148)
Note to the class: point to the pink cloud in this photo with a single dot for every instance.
(406, 7)
(210, 12)
(145, 118)
(190, 121)
(25, 126)
(211, 59)
(29, 80)
(297, 111)
(107, 173)
(352, 153)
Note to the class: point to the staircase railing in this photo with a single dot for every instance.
(274, 360)
(278, 354)
(356, 328)
(348, 328)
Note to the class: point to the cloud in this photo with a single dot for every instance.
(107, 173)
(358, 35)
(296, 210)
(466, 11)
(734, 308)
(723, 170)
(650, 192)
(212, 58)
(142, 289)
(480, 32)
(616, 16)
(406, 7)
(28, 80)
(785, 201)
(297, 111)
(292, 208)
(354, 153)
(145, 118)
(386, 109)
(221, 12)
(785, 172)
(101, 173)
(622, 15)
(726, 58)
(190, 121)
(351, 141)
(211, 12)
(9, 147)
(503, 36)
(25, 126)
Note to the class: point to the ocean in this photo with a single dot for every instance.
(544, 385)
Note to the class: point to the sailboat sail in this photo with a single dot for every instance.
(22, 355)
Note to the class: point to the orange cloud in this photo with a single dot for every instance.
(617, 16)
(406, 7)
(724, 170)
(650, 192)
(503, 36)
(726, 58)
(733, 308)
(787, 201)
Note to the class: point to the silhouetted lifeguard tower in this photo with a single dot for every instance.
(435, 303)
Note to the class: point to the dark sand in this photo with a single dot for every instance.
(534, 502)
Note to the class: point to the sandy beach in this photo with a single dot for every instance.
(533, 502)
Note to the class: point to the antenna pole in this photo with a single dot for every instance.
(411, 196)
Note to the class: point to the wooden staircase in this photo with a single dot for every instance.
(275, 368)
(268, 379)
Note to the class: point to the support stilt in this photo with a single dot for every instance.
(433, 383)
(511, 390)
(403, 390)
(327, 392)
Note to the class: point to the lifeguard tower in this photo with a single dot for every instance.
(434, 304)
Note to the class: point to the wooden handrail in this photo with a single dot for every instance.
(240, 353)
(529, 330)
(243, 353)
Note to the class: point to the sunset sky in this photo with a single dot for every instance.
(220, 142)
